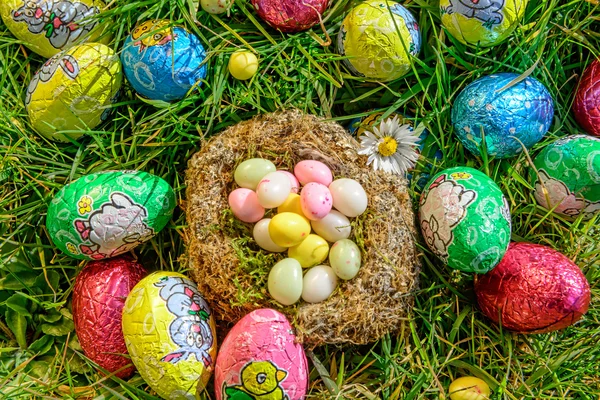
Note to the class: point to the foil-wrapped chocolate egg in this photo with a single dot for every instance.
(481, 22)
(50, 26)
(162, 61)
(260, 359)
(586, 105)
(290, 15)
(74, 91)
(109, 213)
(569, 171)
(378, 39)
(428, 149)
(534, 289)
(98, 298)
(495, 108)
(170, 334)
(465, 219)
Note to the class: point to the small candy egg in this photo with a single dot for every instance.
(262, 238)
(288, 229)
(313, 171)
(311, 251)
(250, 172)
(215, 6)
(243, 64)
(285, 281)
(293, 181)
(349, 197)
(292, 204)
(345, 258)
(244, 204)
(318, 284)
(273, 189)
(469, 388)
(316, 201)
(335, 226)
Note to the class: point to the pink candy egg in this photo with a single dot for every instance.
(313, 171)
(273, 189)
(316, 201)
(293, 181)
(244, 204)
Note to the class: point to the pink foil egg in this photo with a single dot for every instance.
(316, 201)
(260, 359)
(293, 181)
(313, 171)
(273, 189)
(244, 204)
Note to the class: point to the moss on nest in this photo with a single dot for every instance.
(231, 270)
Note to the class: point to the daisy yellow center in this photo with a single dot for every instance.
(387, 147)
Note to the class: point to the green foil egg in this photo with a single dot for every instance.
(105, 214)
(569, 169)
(465, 219)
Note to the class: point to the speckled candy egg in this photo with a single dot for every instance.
(586, 106)
(215, 6)
(523, 111)
(50, 26)
(379, 38)
(170, 334)
(105, 214)
(74, 91)
(569, 169)
(481, 22)
(98, 298)
(534, 289)
(465, 219)
(260, 358)
(162, 61)
(290, 15)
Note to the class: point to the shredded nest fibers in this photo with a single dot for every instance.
(232, 271)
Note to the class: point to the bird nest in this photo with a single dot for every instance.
(232, 271)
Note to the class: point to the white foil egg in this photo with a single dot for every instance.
(349, 197)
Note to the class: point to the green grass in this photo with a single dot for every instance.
(445, 337)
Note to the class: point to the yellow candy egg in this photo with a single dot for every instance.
(50, 26)
(74, 91)
(292, 204)
(482, 22)
(311, 251)
(170, 334)
(288, 229)
(469, 388)
(243, 65)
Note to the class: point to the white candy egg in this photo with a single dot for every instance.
(349, 197)
(318, 284)
(262, 237)
(335, 226)
(273, 189)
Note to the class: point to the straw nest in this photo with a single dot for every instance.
(232, 271)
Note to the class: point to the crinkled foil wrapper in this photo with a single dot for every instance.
(534, 289)
(586, 106)
(290, 15)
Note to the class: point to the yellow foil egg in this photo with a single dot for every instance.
(311, 251)
(74, 91)
(49, 26)
(482, 22)
(170, 334)
(288, 229)
(243, 65)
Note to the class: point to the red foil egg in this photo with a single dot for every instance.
(586, 106)
(290, 15)
(534, 289)
(98, 298)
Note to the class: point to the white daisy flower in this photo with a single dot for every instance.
(391, 147)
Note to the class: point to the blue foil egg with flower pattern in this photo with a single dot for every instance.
(162, 61)
(502, 113)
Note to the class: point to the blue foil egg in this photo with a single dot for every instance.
(163, 62)
(523, 111)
